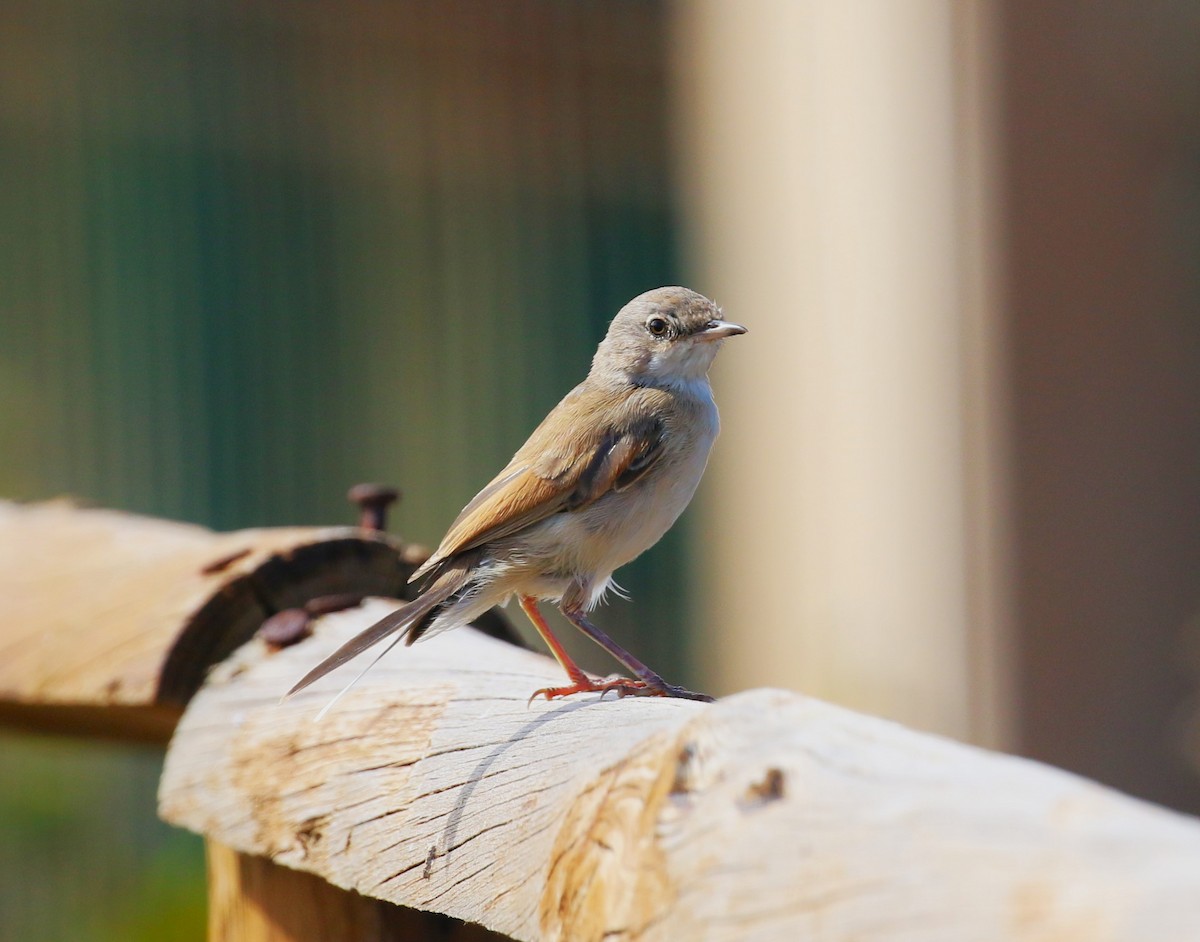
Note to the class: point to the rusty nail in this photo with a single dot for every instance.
(373, 501)
(283, 629)
(328, 604)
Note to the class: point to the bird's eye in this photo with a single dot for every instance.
(657, 326)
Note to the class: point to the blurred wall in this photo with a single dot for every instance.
(839, 205)
(1102, 131)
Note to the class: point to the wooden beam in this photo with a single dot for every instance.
(109, 621)
(251, 899)
(435, 785)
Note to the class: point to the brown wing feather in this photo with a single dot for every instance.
(620, 461)
(564, 465)
(524, 499)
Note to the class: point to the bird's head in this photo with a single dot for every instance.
(665, 337)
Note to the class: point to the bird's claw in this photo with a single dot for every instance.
(623, 686)
(668, 690)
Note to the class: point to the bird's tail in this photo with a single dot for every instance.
(410, 618)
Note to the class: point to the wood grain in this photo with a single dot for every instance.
(768, 815)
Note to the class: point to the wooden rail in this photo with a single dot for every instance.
(108, 621)
(434, 787)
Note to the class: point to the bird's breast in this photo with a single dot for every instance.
(621, 525)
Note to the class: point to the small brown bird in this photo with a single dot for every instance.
(597, 483)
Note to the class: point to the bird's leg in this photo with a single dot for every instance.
(580, 681)
(648, 683)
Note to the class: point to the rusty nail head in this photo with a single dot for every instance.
(285, 628)
(373, 501)
(328, 604)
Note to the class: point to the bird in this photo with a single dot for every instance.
(598, 482)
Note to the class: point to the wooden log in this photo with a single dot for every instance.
(109, 621)
(251, 899)
(435, 785)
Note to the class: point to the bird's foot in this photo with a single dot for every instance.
(622, 685)
(624, 688)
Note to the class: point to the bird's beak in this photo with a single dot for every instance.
(719, 330)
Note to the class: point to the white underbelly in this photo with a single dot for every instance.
(600, 538)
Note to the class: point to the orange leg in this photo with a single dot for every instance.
(580, 682)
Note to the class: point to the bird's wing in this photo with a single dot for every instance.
(563, 466)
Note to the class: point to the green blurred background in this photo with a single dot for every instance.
(256, 252)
